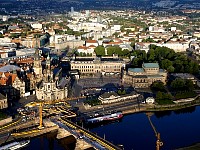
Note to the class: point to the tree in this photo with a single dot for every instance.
(132, 44)
(189, 85)
(116, 34)
(14, 35)
(152, 46)
(58, 31)
(135, 62)
(165, 63)
(170, 69)
(126, 52)
(100, 51)
(1, 35)
(159, 95)
(122, 29)
(151, 55)
(114, 50)
(158, 86)
(178, 84)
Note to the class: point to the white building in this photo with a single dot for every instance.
(116, 27)
(112, 97)
(91, 43)
(36, 25)
(150, 100)
(5, 18)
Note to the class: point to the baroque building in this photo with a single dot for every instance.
(52, 87)
(90, 65)
(12, 84)
(145, 76)
(35, 76)
(3, 102)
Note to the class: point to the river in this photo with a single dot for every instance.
(177, 129)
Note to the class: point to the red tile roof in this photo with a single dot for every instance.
(91, 41)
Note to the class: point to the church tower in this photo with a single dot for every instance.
(48, 71)
(37, 62)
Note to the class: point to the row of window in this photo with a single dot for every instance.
(104, 67)
(50, 98)
(151, 69)
(87, 70)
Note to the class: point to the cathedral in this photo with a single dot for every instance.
(49, 86)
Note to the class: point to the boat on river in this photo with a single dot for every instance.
(15, 145)
(105, 117)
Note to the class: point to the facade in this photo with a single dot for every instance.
(12, 85)
(145, 76)
(52, 88)
(37, 64)
(92, 65)
(150, 100)
(3, 102)
(112, 97)
(187, 76)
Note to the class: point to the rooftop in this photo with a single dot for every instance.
(109, 94)
(150, 65)
(140, 76)
(9, 68)
(136, 69)
(155, 76)
(2, 97)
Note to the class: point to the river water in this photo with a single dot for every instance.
(177, 128)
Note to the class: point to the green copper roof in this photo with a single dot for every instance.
(150, 65)
(136, 69)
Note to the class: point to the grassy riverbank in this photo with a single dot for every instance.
(192, 147)
(174, 106)
(155, 108)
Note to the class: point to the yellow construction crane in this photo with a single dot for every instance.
(159, 143)
(40, 115)
(41, 103)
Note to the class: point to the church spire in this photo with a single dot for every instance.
(37, 55)
(48, 69)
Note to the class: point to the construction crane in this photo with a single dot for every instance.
(40, 115)
(42, 103)
(159, 143)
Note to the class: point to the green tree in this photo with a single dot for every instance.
(189, 85)
(125, 52)
(152, 46)
(158, 86)
(100, 51)
(170, 69)
(159, 96)
(14, 35)
(135, 62)
(165, 63)
(114, 50)
(1, 35)
(116, 34)
(151, 55)
(132, 44)
(178, 84)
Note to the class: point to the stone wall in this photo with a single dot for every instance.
(5, 121)
(70, 44)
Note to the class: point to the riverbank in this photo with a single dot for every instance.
(192, 147)
(156, 108)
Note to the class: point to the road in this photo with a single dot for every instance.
(106, 108)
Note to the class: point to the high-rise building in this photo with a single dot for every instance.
(99, 19)
(72, 9)
(87, 13)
